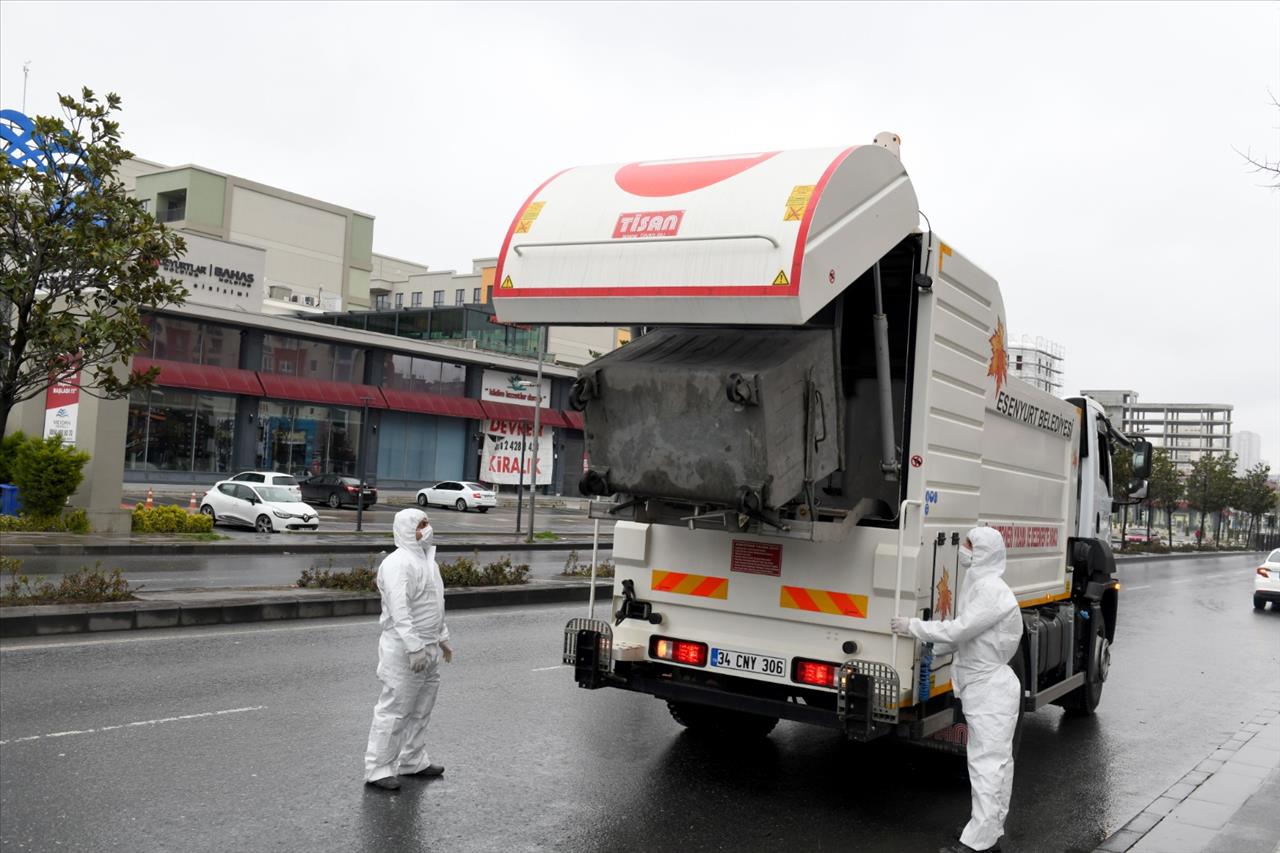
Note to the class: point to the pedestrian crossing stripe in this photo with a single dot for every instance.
(780, 279)
(683, 583)
(824, 601)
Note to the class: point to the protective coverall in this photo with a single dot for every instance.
(983, 636)
(412, 621)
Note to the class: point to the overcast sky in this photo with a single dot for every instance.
(1081, 154)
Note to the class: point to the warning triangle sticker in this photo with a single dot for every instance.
(506, 283)
(780, 279)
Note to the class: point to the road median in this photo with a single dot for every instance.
(91, 545)
(196, 607)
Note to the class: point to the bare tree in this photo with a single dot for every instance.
(1265, 166)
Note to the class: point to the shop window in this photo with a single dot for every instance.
(172, 430)
(304, 439)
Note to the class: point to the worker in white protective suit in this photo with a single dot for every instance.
(414, 639)
(983, 636)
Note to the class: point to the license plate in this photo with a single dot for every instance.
(749, 662)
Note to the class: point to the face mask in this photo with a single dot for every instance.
(966, 558)
(424, 537)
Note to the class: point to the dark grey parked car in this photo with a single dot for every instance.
(336, 491)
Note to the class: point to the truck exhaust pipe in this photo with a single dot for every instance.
(888, 441)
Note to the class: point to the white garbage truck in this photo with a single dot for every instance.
(816, 406)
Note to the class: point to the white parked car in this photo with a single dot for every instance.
(267, 509)
(1266, 583)
(458, 494)
(271, 478)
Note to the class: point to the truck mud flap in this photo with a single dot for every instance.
(588, 647)
(867, 695)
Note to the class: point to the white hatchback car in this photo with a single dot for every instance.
(267, 509)
(1266, 583)
(458, 494)
(271, 478)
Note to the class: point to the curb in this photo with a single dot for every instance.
(205, 549)
(1206, 800)
(53, 619)
(1180, 555)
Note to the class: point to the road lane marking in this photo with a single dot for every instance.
(137, 724)
(1131, 588)
(547, 668)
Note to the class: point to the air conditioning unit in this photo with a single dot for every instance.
(309, 301)
(277, 291)
(293, 299)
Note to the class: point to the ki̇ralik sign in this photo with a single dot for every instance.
(507, 458)
(62, 408)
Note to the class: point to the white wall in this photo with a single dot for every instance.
(305, 245)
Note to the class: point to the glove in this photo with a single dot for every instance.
(418, 660)
(447, 651)
(901, 625)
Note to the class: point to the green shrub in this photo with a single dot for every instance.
(465, 571)
(47, 473)
(86, 586)
(9, 446)
(574, 569)
(71, 522)
(169, 519)
(460, 572)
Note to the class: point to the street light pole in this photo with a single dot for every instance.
(537, 428)
(520, 484)
(364, 450)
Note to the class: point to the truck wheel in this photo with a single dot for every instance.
(720, 722)
(1259, 603)
(1083, 701)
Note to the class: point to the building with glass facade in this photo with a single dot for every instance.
(235, 392)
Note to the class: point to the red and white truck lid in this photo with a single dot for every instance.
(765, 238)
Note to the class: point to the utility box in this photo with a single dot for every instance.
(10, 500)
(747, 416)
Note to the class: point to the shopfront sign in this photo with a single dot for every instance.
(508, 457)
(62, 408)
(220, 273)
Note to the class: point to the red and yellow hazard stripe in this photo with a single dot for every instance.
(687, 584)
(824, 601)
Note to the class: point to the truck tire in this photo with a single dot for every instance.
(1259, 603)
(720, 722)
(1083, 701)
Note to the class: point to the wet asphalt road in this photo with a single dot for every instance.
(536, 764)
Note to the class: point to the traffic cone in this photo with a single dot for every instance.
(191, 504)
(151, 499)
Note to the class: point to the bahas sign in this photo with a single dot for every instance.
(220, 273)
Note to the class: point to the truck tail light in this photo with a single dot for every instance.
(1262, 570)
(816, 672)
(678, 651)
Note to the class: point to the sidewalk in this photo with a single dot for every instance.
(189, 607)
(136, 492)
(1227, 803)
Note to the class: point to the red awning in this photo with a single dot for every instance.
(434, 404)
(200, 377)
(318, 391)
(574, 419)
(523, 414)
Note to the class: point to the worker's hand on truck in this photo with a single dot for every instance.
(901, 625)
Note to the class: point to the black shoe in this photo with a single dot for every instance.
(431, 771)
(961, 847)
(386, 783)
